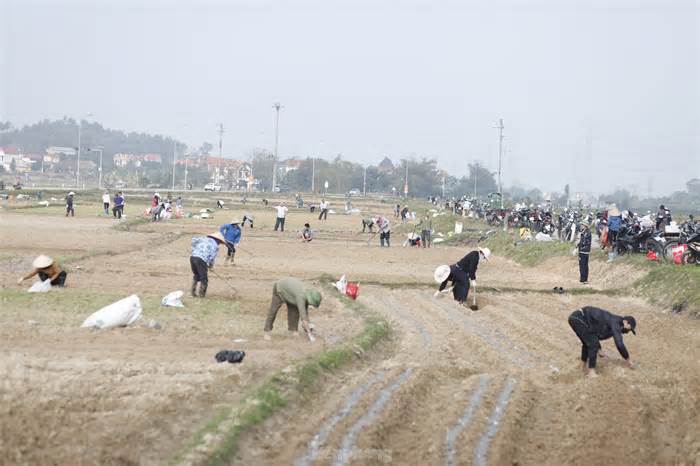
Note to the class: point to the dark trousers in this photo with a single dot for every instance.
(231, 249)
(425, 238)
(384, 237)
(292, 312)
(60, 280)
(583, 266)
(279, 223)
(590, 345)
(460, 284)
(200, 270)
(70, 210)
(106, 207)
(323, 215)
(117, 211)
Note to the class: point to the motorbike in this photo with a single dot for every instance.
(629, 241)
(692, 255)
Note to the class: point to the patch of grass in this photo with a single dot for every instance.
(278, 389)
(672, 285)
(528, 253)
(131, 223)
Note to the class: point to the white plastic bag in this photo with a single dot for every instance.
(342, 285)
(543, 237)
(122, 313)
(40, 287)
(173, 299)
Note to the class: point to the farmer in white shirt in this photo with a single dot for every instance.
(324, 210)
(281, 215)
(105, 202)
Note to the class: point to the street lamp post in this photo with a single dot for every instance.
(99, 170)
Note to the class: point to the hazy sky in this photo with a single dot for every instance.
(619, 80)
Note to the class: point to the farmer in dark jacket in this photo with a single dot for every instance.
(584, 250)
(462, 274)
(591, 325)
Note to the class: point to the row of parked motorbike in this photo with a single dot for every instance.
(631, 238)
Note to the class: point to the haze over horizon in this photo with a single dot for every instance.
(601, 95)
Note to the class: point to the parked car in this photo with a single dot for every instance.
(213, 187)
(354, 192)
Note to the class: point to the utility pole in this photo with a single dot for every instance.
(99, 181)
(77, 168)
(313, 174)
(221, 151)
(405, 184)
(500, 156)
(364, 182)
(443, 187)
(174, 158)
(277, 108)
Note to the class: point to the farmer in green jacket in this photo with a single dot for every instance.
(298, 297)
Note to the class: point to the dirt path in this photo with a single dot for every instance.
(501, 386)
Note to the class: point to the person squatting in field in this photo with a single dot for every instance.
(204, 251)
(232, 234)
(298, 297)
(461, 274)
(46, 268)
(591, 325)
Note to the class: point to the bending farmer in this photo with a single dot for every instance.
(232, 234)
(46, 268)
(204, 250)
(298, 297)
(591, 325)
(461, 274)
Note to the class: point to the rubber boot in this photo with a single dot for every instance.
(202, 290)
(194, 288)
(231, 259)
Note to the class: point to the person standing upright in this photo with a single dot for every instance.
(69, 204)
(426, 231)
(118, 208)
(324, 210)
(584, 250)
(105, 202)
(281, 216)
(384, 228)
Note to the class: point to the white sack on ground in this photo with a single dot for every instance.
(124, 312)
(173, 299)
(40, 287)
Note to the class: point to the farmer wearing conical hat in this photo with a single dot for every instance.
(298, 297)
(46, 268)
(461, 274)
(204, 250)
(232, 234)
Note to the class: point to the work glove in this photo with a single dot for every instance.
(19, 282)
(472, 283)
(437, 293)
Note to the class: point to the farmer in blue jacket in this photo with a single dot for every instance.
(204, 250)
(232, 234)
